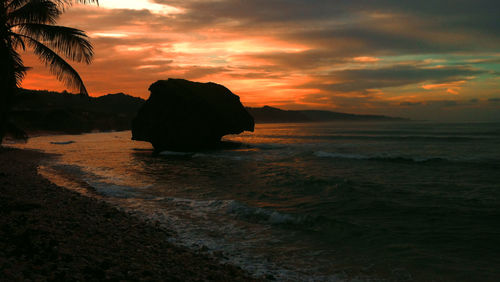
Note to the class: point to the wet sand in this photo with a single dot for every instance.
(50, 233)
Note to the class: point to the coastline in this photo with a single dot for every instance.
(51, 233)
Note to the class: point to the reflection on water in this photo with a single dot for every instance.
(324, 201)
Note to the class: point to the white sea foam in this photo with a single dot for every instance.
(323, 154)
(266, 216)
(231, 230)
(385, 156)
(229, 156)
(113, 190)
(266, 240)
(174, 153)
(201, 225)
(198, 225)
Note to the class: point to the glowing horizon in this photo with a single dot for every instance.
(139, 5)
(392, 58)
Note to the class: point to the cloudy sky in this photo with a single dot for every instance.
(423, 59)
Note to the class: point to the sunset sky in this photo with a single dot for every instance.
(425, 59)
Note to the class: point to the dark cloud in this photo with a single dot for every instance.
(279, 10)
(334, 29)
(308, 59)
(301, 53)
(198, 72)
(351, 80)
(410, 103)
(94, 18)
(443, 103)
(440, 103)
(400, 25)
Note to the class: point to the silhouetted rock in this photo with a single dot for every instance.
(182, 115)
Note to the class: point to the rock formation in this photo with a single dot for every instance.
(182, 115)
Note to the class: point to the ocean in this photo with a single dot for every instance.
(345, 201)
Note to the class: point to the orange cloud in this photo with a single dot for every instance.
(365, 59)
(304, 55)
(451, 87)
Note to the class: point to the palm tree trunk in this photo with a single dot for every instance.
(3, 122)
(4, 109)
(8, 82)
(4, 102)
(7, 88)
(3, 70)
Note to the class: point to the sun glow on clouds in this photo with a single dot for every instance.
(306, 54)
(451, 87)
(139, 5)
(129, 48)
(148, 67)
(365, 59)
(108, 34)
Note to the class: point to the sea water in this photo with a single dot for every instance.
(311, 201)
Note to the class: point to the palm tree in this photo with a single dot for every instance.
(32, 24)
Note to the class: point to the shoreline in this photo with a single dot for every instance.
(51, 233)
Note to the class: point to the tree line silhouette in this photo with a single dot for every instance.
(31, 24)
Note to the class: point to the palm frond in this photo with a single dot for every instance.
(17, 41)
(73, 43)
(65, 3)
(35, 11)
(14, 4)
(70, 2)
(88, 1)
(18, 68)
(30, 22)
(57, 65)
(62, 4)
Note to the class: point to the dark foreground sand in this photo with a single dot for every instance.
(50, 233)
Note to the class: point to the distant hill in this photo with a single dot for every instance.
(37, 110)
(40, 110)
(268, 114)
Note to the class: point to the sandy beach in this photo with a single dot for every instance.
(50, 233)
